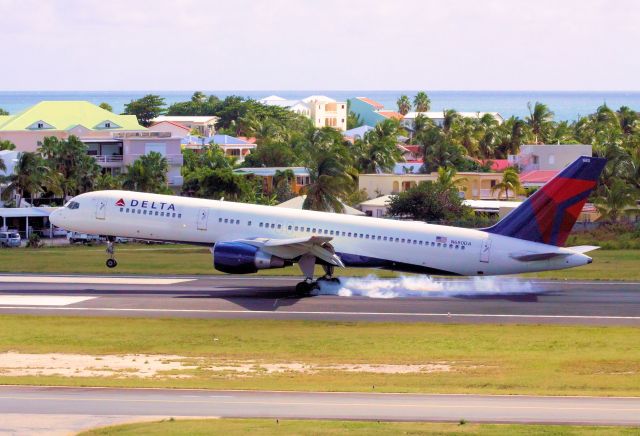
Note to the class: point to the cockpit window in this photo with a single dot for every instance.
(73, 205)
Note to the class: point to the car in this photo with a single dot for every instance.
(10, 239)
(82, 238)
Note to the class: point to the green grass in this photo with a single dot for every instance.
(177, 259)
(298, 427)
(488, 359)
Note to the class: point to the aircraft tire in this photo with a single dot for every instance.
(111, 263)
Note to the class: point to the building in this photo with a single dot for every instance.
(370, 111)
(548, 157)
(298, 202)
(472, 185)
(356, 133)
(232, 146)
(537, 178)
(176, 130)
(437, 117)
(114, 141)
(322, 110)
(301, 177)
(202, 125)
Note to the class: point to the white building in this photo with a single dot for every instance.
(322, 110)
(438, 117)
(548, 157)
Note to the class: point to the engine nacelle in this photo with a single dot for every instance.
(239, 258)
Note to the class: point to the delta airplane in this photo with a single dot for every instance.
(245, 238)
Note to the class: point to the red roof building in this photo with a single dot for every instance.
(375, 104)
(537, 178)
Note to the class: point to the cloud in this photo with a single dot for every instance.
(330, 44)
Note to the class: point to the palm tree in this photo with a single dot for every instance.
(147, 174)
(450, 117)
(540, 119)
(510, 182)
(404, 105)
(28, 177)
(447, 178)
(629, 120)
(422, 102)
(617, 199)
(467, 133)
(106, 181)
(378, 151)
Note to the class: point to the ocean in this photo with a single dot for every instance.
(567, 105)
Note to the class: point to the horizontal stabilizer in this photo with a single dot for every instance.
(583, 248)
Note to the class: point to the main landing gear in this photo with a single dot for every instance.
(111, 262)
(307, 264)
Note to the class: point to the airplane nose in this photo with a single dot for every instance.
(57, 217)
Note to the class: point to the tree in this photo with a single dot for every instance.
(28, 177)
(378, 152)
(329, 164)
(106, 181)
(510, 182)
(618, 198)
(282, 181)
(449, 118)
(540, 120)
(447, 178)
(422, 102)
(146, 108)
(3, 112)
(147, 174)
(106, 106)
(7, 145)
(404, 104)
(428, 201)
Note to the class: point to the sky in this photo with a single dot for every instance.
(319, 44)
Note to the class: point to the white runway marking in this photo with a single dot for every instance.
(291, 312)
(41, 300)
(93, 280)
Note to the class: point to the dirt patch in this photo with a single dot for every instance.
(16, 364)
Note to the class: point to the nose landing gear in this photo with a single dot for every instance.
(111, 262)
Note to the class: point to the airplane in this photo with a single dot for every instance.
(245, 238)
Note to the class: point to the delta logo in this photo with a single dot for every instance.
(145, 204)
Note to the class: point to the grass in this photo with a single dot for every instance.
(187, 260)
(268, 427)
(487, 359)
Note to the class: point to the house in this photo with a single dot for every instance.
(322, 110)
(437, 117)
(298, 202)
(356, 133)
(548, 157)
(537, 178)
(472, 185)
(232, 146)
(177, 130)
(203, 125)
(301, 177)
(370, 111)
(114, 141)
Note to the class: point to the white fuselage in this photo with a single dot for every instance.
(360, 241)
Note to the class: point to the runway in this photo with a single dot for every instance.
(255, 297)
(96, 402)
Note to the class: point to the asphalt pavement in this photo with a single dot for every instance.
(93, 403)
(460, 300)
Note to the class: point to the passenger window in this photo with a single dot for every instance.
(349, 234)
(127, 210)
(344, 233)
(273, 226)
(397, 239)
(248, 223)
(438, 244)
(385, 238)
(260, 225)
(308, 229)
(226, 220)
(366, 236)
(433, 243)
(161, 213)
(289, 227)
(237, 221)
(462, 248)
(144, 212)
(296, 228)
(331, 232)
(420, 243)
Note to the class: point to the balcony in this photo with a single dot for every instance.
(108, 161)
(172, 159)
(129, 135)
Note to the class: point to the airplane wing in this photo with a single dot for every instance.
(293, 248)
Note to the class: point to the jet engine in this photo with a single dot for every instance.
(239, 258)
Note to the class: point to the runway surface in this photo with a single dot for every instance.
(96, 402)
(487, 300)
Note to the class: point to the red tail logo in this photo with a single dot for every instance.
(120, 202)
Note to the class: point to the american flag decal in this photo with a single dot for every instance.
(441, 239)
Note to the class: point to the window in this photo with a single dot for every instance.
(295, 228)
(107, 125)
(173, 215)
(402, 240)
(121, 209)
(379, 237)
(344, 233)
(366, 236)
(144, 212)
(289, 227)
(226, 220)
(127, 210)
(420, 243)
(462, 248)
(349, 234)
(40, 125)
(309, 229)
(438, 244)
(433, 244)
(162, 214)
(385, 238)
(279, 226)
(180, 215)
(260, 225)
(273, 226)
(397, 239)
(219, 220)
(73, 205)
(248, 223)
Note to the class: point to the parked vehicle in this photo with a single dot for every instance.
(83, 238)
(10, 239)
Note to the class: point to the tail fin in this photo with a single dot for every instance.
(549, 215)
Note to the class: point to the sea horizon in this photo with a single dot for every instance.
(568, 105)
